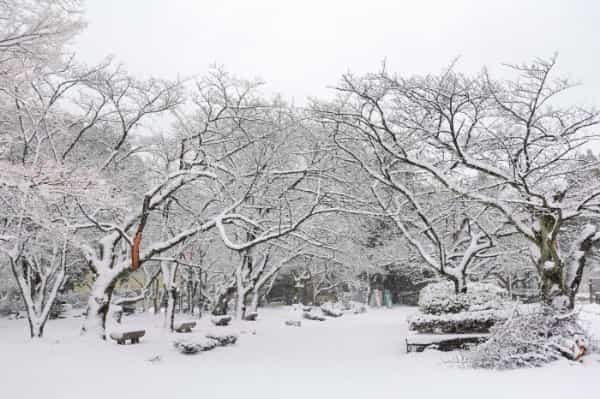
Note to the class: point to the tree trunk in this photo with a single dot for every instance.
(37, 329)
(98, 305)
(156, 297)
(315, 300)
(170, 311)
(38, 301)
(222, 304)
(240, 299)
(190, 291)
(549, 264)
(240, 304)
(254, 301)
(460, 284)
(582, 248)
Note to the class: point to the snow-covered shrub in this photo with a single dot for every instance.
(439, 298)
(531, 337)
(190, 346)
(223, 339)
(480, 321)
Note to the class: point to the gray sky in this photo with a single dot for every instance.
(300, 47)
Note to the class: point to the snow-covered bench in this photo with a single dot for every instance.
(252, 316)
(184, 327)
(329, 310)
(221, 320)
(131, 336)
(311, 316)
(443, 342)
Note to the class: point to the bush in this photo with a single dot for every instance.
(531, 337)
(456, 323)
(439, 298)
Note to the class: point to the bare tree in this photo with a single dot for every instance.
(506, 145)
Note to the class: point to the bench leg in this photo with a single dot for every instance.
(121, 342)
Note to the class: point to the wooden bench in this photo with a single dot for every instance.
(443, 342)
(221, 320)
(132, 336)
(251, 316)
(310, 316)
(184, 327)
(331, 312)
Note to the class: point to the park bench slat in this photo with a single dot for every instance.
(419, 342)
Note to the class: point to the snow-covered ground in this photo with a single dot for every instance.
(355, 356)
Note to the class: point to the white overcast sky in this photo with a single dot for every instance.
(301, 47)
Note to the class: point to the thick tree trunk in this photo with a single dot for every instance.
(315, 297)
(240, 304)
(582, 248)
(222, 304)
(254, 301)
(549, 265)
(460, 283)
(98, 306)
(37, 329)
(169, 273)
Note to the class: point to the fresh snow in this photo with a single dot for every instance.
(354, 356)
